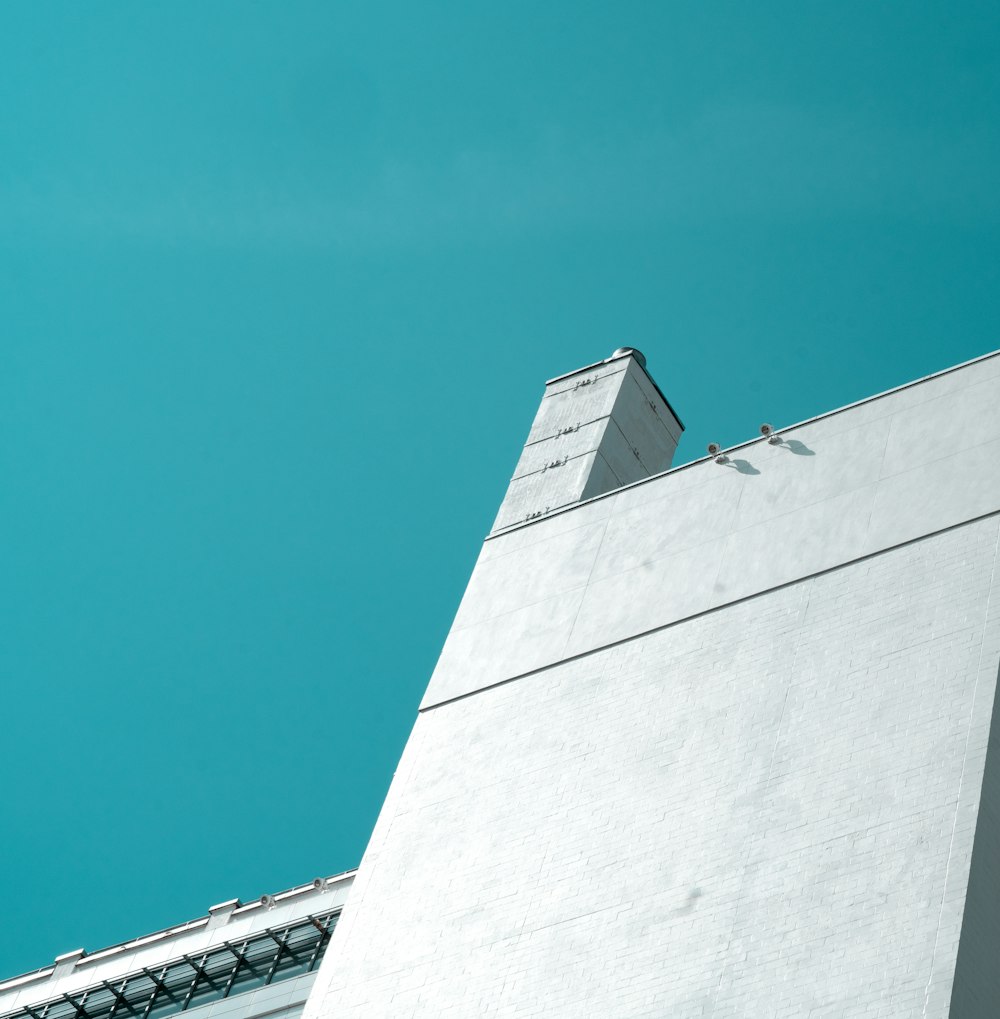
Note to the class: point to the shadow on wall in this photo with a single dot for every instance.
(743, 466)
(796, 447)
(692, 900)
(976, 987)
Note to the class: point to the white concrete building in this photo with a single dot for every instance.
(238, 962)
(715, 741)
(711, 741)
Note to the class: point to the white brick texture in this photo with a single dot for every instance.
(764, 811)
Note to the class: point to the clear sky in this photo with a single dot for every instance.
(279, 287)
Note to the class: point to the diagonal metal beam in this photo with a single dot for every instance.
(161, 988)
(120, 999)
(277, 955)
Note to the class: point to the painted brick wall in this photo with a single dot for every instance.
(766, 810)
(840, 487)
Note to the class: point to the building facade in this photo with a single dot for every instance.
(241, 961)
(711, 741)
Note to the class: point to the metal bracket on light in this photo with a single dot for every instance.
(715, 451)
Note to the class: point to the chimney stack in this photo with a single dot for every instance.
(597, 428)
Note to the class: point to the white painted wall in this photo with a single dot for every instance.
(718, 747)
(843, 486)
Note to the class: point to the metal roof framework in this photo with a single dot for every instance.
(230, 967)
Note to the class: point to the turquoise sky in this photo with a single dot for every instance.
(279, 287)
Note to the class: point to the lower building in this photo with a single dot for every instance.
(238, 962)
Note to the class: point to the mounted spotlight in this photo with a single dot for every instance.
(769, 433)
(714, 451)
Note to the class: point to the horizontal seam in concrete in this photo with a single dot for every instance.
(576, 501)
(715, 608)
(542, 470)
(577, 427)
(608, 375)
(571, 919)
(757, 441)
(645, 371)
(590, 367)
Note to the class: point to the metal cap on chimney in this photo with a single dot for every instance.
(637, 354)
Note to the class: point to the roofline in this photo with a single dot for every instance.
(640, 361)
(730, 449)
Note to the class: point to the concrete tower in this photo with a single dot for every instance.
(596, 429)
(715, 741)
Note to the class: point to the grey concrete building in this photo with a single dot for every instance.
(710, 741)
(240, 961)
